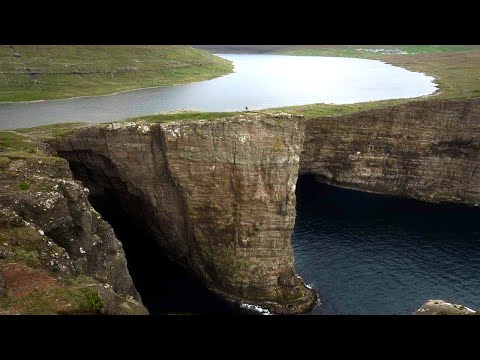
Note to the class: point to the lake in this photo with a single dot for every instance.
(258, 82)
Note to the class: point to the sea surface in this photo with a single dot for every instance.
(363, 253)
(375, 254)
(258, 82)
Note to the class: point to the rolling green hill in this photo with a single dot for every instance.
(335, 50)
(35, 72)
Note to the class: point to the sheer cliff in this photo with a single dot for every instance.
(57, 255)
(218, 195)
(428, 150)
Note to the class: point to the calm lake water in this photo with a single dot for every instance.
(375, 254)
(259, 82)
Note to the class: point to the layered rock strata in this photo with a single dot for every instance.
(57, 255)
(219, 196)
(428, 150)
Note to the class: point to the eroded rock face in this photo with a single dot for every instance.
(428, 150)
(2, 286)
(219, 196)
(56, 252)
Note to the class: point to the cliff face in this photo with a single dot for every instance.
(218, 195)
(57, 255)
(428, 150)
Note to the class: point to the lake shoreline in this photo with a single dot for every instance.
(257, 82)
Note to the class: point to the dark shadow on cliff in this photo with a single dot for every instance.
(165, 287)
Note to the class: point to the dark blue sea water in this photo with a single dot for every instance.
(363, 253)
(375, 254)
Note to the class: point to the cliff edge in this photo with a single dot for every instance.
(219, 196)
(57, 255)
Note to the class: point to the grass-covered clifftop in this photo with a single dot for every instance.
(36, 72)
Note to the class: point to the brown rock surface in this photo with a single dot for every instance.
(219, 196)
(428, 150)
(20, 280)
(440, 307)
(54, 247)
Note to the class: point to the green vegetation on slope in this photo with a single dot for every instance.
(324, 110)
(333, 50)
(35, 72)
(370, 51)
(456, 73)
(182, 115)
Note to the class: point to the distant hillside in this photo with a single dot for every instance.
(243, 49)
(335, 50)
(34, 72)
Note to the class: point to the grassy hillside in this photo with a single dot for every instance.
(333, 50)
(34, 72)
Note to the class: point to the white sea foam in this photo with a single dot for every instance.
(256, 308)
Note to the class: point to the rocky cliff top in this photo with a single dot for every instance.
(57, 256)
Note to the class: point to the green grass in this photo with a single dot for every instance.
(363, 51)
(60, 130)
(429, 49)
(24, 186)
(456, 73)
(34, 72)
(326, 110)
(13, 145)
(24, 143)
(332, 50)
(12, 142)
(182, 116)
(68, 301)
(25, 146)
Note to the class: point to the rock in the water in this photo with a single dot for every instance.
(440, 307)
